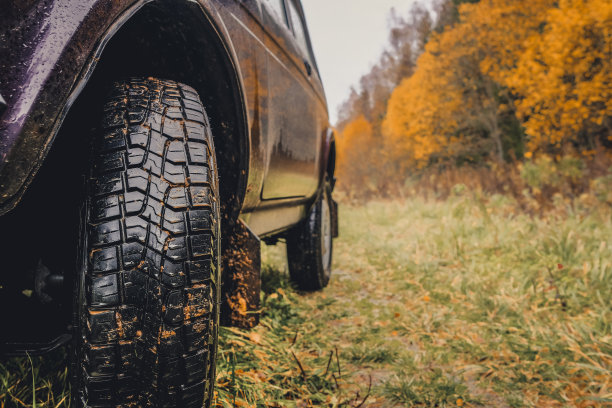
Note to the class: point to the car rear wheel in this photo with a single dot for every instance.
(147, 295)
(310, 246)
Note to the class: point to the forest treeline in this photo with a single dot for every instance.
(496, 85)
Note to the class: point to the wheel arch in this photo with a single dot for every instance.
(181, 41)
(329, 157)
(196, 51)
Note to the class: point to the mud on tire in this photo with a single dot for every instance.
(148, 292)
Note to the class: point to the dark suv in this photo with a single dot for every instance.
(146, 146)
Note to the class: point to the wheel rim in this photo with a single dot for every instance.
(326, 235)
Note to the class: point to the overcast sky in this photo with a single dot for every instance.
(348, 36)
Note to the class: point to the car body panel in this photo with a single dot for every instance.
(42, 57)
(50, 48)
(292, 155)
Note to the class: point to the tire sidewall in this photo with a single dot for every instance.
(325, 201)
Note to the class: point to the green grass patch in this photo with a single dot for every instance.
(465, 302)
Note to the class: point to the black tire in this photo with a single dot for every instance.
(147, 296)
(310, 246)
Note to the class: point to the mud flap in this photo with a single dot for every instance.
(334, 215)
(240, 276)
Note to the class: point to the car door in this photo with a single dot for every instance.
(293, 113)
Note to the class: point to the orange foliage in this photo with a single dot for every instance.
(507, 80)
(453, 98)
(564, 77)
(543, 62)
(356, 153)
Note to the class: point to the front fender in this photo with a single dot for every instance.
(48, 54)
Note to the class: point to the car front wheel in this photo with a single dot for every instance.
(147, 294)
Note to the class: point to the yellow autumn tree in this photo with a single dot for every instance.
(453, 105)
(418, 123)
(564, 77)
(358, 150)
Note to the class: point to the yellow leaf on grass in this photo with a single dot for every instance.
(255, 337)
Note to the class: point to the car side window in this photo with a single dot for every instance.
(277, 7)
(298, 27)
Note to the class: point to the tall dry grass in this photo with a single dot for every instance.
(537, 185)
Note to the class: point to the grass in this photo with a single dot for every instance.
(39, 381)
(463, 302)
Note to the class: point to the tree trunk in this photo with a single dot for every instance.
(496, 135)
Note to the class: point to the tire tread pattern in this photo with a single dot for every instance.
(148, 328)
